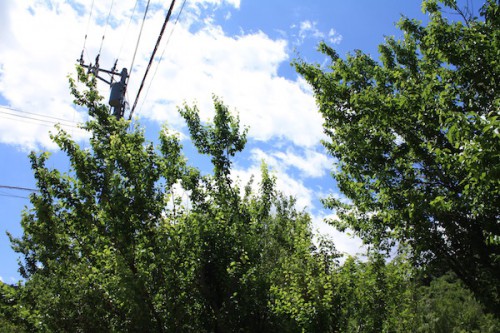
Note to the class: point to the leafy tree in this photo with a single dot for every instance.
(417, 140)
(134, 239)
(447, 306)
(376, 295)
(12, 316)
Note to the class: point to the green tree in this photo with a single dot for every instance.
(12, 316)
(417, 140)
(374, 295)
(377, 295)
(447, 306)
(134, 239)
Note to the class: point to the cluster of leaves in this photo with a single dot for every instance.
(134, 239)
(367, 296)
(417, 140)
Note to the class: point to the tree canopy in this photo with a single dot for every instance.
(134, 239)
(416, 137)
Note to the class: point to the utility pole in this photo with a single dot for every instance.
(118, 88)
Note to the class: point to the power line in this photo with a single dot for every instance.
(163, 52)
(138, 40)
(128, 28)
(40, 121)
(13, 196)
(106, 26)
(87, 30)
(152, 56)
(8, 187)
(36, 114)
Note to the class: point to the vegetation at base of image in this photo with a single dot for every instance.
(133, 238)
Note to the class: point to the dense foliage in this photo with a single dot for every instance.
(133, 238)
(417, 140)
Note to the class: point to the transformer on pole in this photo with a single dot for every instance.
(118, 88)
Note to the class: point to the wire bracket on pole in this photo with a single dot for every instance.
(118, 88)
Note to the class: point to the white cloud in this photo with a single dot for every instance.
(242, 70)
(308, 161)
(284, 164)
(334, 37)
(34, 65)
(234, 3)
(313, 164)
(285, 183)
(5, 22)
(344, 242)
(309, 29)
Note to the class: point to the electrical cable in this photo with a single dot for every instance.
(36, 114)
(8, 187)
(152, 56)
(3, 113)
(106, 26)
(137, 43)
(16, 188)
(128, 28)
(162, 54)
(13, 196)
(35, 119)
(87, 30)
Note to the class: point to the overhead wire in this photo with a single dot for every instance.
(137, 44)
(128, 28)
(152, 56)
(162, 54)
(36, 114)
(13, 196)
(24, 115)
(138, 40)
(40, 122)
(106, 26)
(35, 120)
(87, 30)
(9, 187)
(16, 188)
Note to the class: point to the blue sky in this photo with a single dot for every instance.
(239, 50)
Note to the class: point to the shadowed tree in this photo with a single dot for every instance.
(134, 239)
(417, 140)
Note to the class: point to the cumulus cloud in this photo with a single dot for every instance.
(334, 37)
(344, 242)
(286, 184)
(5, 20)
(309, 29)
(285, 164)
(234, 3)
(47, 37)
(33, 70)
(309, 162)
(242, 70)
